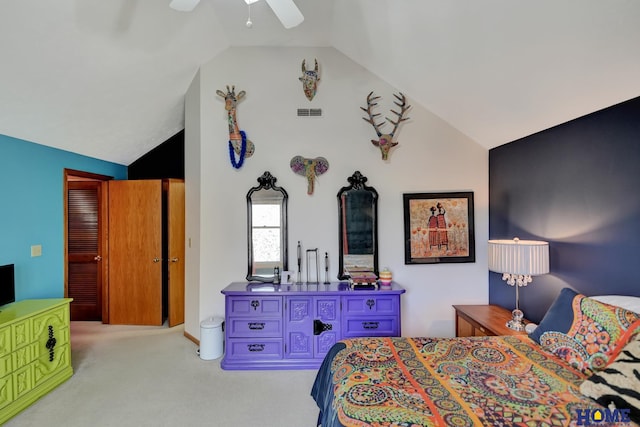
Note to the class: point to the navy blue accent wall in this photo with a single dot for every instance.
(577, 186)
(164, 161)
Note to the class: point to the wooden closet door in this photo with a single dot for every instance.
(176, 239)
(84, 249)
(135, 252)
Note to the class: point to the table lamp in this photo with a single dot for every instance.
(518, 260)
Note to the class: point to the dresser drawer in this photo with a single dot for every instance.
(483, 320)
(6, 390)
(49, 364)
(242, 349)
(368, 326)
(51, 337)
(371, 305)
(6, 366)
(23, 356)
(52, 324)
(22, 381)
(5, 341)
(21, 333)
(254, 306)
(238, 327)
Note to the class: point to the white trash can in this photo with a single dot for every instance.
(211, 338)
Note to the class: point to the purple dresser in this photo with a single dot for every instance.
(271, 326)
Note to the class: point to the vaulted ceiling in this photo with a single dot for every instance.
(107, 78)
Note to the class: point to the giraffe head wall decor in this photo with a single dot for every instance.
(385, 140)
(238, 143)
(309, 79)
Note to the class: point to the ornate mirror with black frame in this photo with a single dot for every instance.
(267, 229)
(358, 225)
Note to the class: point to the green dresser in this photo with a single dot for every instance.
(35, 352)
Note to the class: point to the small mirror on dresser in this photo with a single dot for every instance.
(358, 227)
(267, 230)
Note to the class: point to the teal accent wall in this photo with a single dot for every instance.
(31, 211)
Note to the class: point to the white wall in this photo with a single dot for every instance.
(193, 131)
(432, 157)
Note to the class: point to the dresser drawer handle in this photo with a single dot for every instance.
(370, 303)
(51, 344)
(255, 304)
(256, 325)
(319, 327)
(370, 325)
(255, 347)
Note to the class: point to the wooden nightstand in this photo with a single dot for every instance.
(483, 320)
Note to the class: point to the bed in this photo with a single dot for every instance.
(576, 368)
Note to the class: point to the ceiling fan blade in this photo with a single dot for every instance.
(183, 5)
(287, 12)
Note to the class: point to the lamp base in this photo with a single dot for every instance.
(516, 320)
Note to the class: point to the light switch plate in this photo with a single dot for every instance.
(36, 250)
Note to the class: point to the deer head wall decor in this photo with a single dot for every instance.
(309, 79)
(385, 141)
(309, 168)
(238, 142)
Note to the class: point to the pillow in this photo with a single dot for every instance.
(584, 332)
(624, 301)
(618, 383)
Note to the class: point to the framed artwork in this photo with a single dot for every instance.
(438, 228)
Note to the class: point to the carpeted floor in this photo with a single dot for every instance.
(152, 376)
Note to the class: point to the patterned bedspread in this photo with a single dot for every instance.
(410, 382)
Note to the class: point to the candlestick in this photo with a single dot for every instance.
(299, 275)
(326, 268)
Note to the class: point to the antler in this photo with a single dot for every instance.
(372, 117)
(385, 141)
(304, 66)
(403, 109)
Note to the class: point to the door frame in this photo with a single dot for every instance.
(76, 175)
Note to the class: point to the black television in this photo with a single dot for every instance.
(7, 284)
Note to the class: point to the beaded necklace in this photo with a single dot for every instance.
(243, 151)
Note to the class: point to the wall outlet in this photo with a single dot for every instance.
(36, 250)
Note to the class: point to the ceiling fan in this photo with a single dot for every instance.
(286, 10)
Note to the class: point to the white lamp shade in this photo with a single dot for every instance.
(526, 257)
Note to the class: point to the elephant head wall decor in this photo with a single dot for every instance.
(309, 79)
(309, 168)
(238, 142)
(385, 141)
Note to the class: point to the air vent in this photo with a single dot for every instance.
(309, 112)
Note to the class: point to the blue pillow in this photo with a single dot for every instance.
(559, 316)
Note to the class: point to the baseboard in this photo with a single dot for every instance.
(191, 338)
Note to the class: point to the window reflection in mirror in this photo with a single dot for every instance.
(358, 247)
(267, 229)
